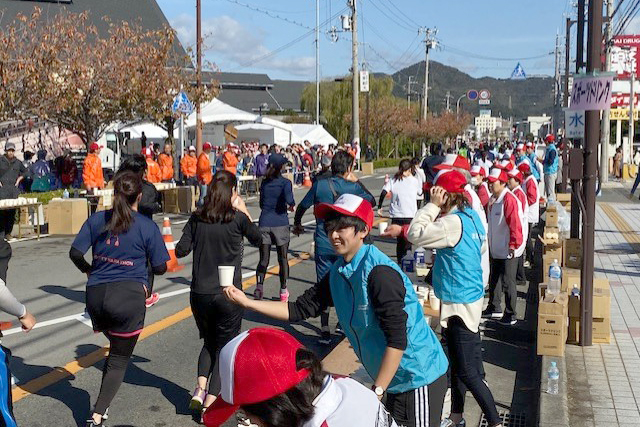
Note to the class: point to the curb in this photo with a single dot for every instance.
(553, 410)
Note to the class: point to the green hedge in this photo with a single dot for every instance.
(45, 197)
(386, 163)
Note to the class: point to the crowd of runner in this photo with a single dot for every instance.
(481, 204)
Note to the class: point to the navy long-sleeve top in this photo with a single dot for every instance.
(276, 195)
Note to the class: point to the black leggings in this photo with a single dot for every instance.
(402, 245)
(265, 253)
(465, 357)
(121, 349)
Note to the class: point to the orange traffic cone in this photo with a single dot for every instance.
(307, 180)
(172, 264)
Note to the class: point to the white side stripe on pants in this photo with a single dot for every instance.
(422, 406)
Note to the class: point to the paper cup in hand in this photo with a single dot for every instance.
(382, 227)
(225, 275)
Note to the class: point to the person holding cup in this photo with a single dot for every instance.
(215, 233)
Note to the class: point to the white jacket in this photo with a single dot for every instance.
(531, 190)
(505, 226)
(344, 402)
(524, 216)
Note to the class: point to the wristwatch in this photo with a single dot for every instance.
(379, 391)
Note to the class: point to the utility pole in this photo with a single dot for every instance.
(198, 75)
(632, 101)
(429, 42)
(556, 92)
(355, 108)
(317, 121)
(592, 134)
(565, 152)
(580, 36)
(606, 123)
(409, 83)
(576, 188)
(448, 100)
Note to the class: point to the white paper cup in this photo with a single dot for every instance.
(225, 275)
(382, 227)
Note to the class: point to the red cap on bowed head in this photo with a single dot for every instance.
(257, 365)
(550, 138)
(515, 173)
(349, 205)
(451, 181)
(207, 146)
(524, 167)
(498, 174)
(453, 161)
(94, 146)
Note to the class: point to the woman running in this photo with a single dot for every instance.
(215, 234)
(276, 195)
(122, 241)
(448, 224)
(405, 189)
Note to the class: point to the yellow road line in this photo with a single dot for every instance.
(72, 368)
(630, 235)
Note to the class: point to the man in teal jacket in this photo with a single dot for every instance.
(380, 313)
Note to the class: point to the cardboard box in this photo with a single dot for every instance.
(185, 199)
(551, 235)
(367, 168)
(66, 216)
(600, 331)
(556, 305)
(170, 201)
(553, 252)
(552, 218)
(601, 302)
(563, 198)
(570, 277)
(572, 251)
(551, 337)
(547, 260)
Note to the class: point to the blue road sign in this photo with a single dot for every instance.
(518, 73)
(182, 104)
(472, 95)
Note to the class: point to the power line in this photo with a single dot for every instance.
(269, 13)
(461, 52)
(407, 17)
(629, 17)
(392, 18)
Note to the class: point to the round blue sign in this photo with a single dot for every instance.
(472, 95)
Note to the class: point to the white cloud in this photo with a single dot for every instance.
(229, 44)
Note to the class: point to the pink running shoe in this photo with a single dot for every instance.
(150, 302)
(258, 293)
(284, 295)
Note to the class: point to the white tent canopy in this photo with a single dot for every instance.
(218, 112)
(266, 134)
(151, 130)
(316, 134)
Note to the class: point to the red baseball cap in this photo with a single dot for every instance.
(255, 366)
(350, 205)
(520, 147)
(207, 146)
(452, 181)
(94, 146)
(525, 166)
(498, 174)
(453, 161)
(549, 138)
(515, 173)
(529, 144)
(478, 170)
(504, 165)
(148, 153)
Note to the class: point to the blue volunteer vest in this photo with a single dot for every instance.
(532, 163)
(423, 360)
(457, 271)
(553, 167)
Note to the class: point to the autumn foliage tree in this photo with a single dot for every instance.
(62, 70)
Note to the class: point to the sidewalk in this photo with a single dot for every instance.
(603, 381)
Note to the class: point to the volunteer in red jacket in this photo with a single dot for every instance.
(514, 184)
(531, 189)
(505, 237)
(479, 174)
(278, 383)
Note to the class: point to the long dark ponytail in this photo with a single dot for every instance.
(127, 186)
(217, 203)
(273, 172)
(404, 166)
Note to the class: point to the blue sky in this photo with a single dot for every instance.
(240, 39)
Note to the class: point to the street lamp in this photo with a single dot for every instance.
(458, 104)
(263, 106)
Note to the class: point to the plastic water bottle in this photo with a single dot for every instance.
(575, 292)
(555, 277)
(65, 194)
(408, 263)
(553, 378)
(419, 255)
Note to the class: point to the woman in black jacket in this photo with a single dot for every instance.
(215, 233)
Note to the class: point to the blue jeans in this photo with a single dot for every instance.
(635, 183)
(203, 192)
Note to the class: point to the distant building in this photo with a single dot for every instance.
(537, 125)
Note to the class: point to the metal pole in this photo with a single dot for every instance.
(592, 133)
(198, 75)
(458, 104)
(425, 90)
(580, 36)
(355, 108)
(606, 121)
(565, 151)
(317, 62)
(632, 122)
(366, 122)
